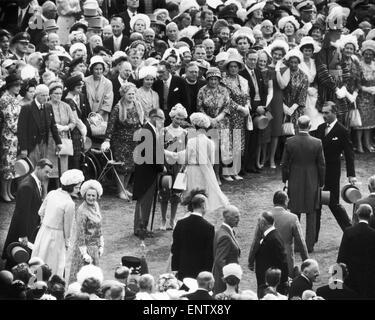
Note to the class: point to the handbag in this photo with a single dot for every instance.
(180, 183)
(355, 117)
(287, 129)
(97, 124)
(67, 146)
(249, 123)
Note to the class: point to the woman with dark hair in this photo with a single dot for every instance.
(10, 109)
(232, 274)
(5, 52)
(27, 91)
(316, 32)
(273, 277)
(91, 286)
(81, 109)
(57, 216)
(141, 46)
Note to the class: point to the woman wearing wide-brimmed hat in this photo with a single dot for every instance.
(240, 108)
(213, 100)
(10, 108)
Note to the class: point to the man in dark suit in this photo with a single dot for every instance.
(258, 96)
(26, 219)
(226, 247)
(303, 170)
(127, 13)
(205, 281)
(357, 251)
(118, 42)
(171, 89)
(124, 76)
(144, 6)
(192, 247)
(336, 140)
(35, 122)
(337, 288)
(270, 253)
(149, 162)
(15, 15)
(309, 274)
(370, 199)
(193, 84)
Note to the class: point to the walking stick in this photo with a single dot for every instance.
(59, 169)
(154, 202)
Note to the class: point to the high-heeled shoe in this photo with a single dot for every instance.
(228, 178)
(370, 149)
(5, 198)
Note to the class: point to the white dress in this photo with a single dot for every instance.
(200, 173)
(57, 215)
(312, 95)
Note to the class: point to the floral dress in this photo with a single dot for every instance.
(10, 109)
(121, 135)
(212, 102)
(366, 101)
(296, 92)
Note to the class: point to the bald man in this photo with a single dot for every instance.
(309, 274)
(226, 248)
(205, 281)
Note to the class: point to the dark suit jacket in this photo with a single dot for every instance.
(145, 174)
(29, 126)
(9, 17)
(125, 16)
(200, 294)
(298, 286)
(177, 94)
(370, 199)
(109, 44)
(25, 218)
(120, 6)
(344, 293)
(261, 85)
(334, 144)
(226, 250)
(192, 93)
(357, 251)
(192, 247)
(116, 88)
(271, 253)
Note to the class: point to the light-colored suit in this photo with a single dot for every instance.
(226, 250)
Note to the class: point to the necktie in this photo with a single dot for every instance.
(165, 94)
(327, 129)
(255, 82)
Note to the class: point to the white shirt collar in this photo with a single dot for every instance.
(122, 81)
(196, 214)
(131, 13)
(331, 125)
(168, 81)
(38, 104)
(171, 44)
(363, 221)
(38, 182)
(268, 231)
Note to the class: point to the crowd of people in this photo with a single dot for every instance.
(216, 91)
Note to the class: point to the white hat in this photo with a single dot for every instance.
(77, 46)
(191, 283)
(253, 5)
(232, 269)
(71, 177)
(222, 56)
(151, 62)
(368, 45)
(336, 12)
(178, 110)
(147, 71)
(371, 35)
(95, 60)
(171, 51)
(188, 32)
(243, 31)
(200, 120)
(346, 39)
(140, 16)
(183, 49)
(214, 3)
(28, 72)
(91, 184)
(8, 62)
(89, 271)
(185, 5)
(309, 40)
(278, 43)
(295, 52)
(118, 54)
(291, 19)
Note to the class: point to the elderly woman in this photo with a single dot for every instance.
(278, 50)
(200, 157)
(148, 98)
(126, 118)
(80, 109)
(289, 26)
(240, 108)
(366, 97)
(65, 123)
(99, 89)
(214, 101)
(139, 23)
(308, 47)
(10, 108)
(175, 138)
(88, 242)
(295, 83)
(57, 216)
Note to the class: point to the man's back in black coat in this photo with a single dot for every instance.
(342, 293)
(200, 294)
(298, 286)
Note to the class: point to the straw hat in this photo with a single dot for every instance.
(291, 19)
(350, 193)
(243, 32)
(253, 5)
(235, 58)
(17, 252)
(213, 72)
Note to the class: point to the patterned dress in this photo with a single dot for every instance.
(10, 110)
(87, 231)
(121, 135)
(296, 92)
(366, 101)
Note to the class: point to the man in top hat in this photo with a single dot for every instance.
(303, 170)
(25, 218)
(118, 42)
(335, 139)
(357, 251)
(192, 242)
(19, 46)
(36, 121)
(50, 26)
(370, 199)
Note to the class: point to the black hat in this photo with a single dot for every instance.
(74, 63)
(12, 80)
(133, 263)
(73, 82)
(21, 37)
(229, 12)
(78, 25)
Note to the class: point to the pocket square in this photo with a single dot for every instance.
(175, 89)
(335, 138)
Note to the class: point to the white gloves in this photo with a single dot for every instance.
(101, 247)
(291, 110)
(341, 93)
(61, 128)
(101, 250)
(85, 255)
(311, 91)
(351, 97)
(105, 146)
(278, 65)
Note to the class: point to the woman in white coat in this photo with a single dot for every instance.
(57, 216)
